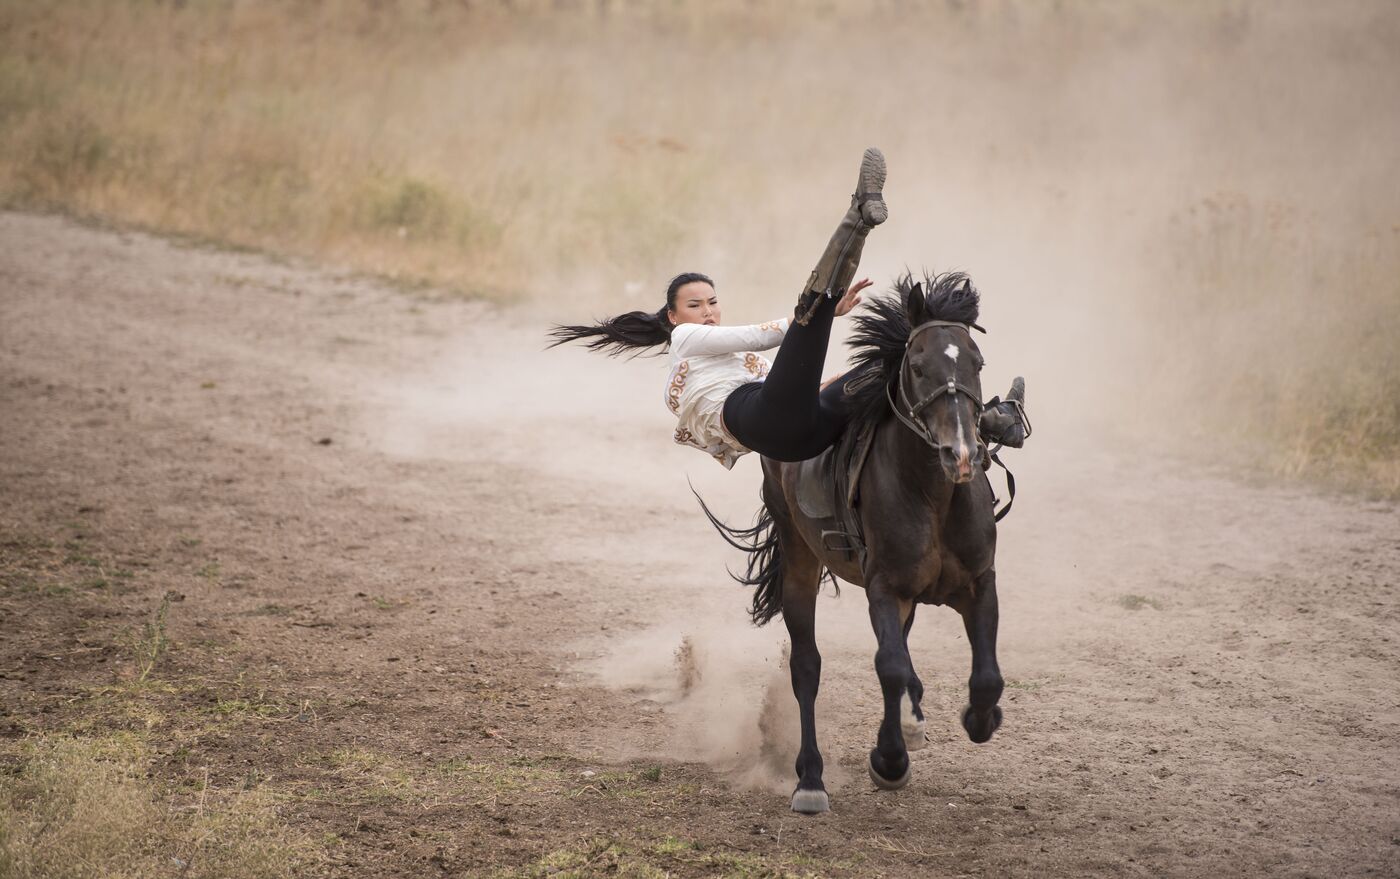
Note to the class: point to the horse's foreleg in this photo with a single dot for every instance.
(911, 712)
(889, 761)
(801, 581)
(982, 715)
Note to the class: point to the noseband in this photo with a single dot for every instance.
(909, 413)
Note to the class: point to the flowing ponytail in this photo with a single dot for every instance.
(635, 329)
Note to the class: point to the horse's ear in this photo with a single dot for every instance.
(966, 286)
(915, 304)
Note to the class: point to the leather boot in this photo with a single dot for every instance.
(1004, 422)
(837, 266)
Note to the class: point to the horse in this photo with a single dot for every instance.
(926, 520)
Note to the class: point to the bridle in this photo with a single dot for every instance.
(909, 413)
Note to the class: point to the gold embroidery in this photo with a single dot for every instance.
(684, 437)
(673, 393)
(770, 326)
(756, 365)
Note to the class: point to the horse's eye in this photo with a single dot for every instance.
(917, 370)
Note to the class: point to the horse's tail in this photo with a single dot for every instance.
(765, 566)
(764, 570)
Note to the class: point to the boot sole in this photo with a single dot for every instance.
(872, 183)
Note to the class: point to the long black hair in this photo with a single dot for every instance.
(635, 329)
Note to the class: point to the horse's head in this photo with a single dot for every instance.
(939, 393)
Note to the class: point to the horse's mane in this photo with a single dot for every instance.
(882, 330)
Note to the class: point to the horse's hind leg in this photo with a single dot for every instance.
(982, 716)
(911, 710)
(889, 761)
(801, 582)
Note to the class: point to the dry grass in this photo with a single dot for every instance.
(606, 856)
(78, 808)
(483, 149)
(1167, 177)
(1295, 342)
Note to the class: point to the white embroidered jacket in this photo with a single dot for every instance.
(707, 363)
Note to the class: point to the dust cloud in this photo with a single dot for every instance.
(1165, 208)
(738, 716)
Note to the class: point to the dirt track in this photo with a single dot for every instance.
(495, 559)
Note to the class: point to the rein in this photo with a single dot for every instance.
(909, 413)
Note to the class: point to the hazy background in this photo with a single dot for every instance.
(1184, 218)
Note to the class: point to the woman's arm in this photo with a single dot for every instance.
(698, 340)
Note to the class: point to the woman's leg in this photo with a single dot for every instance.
(837, 266)
(784, 427)
(783, 417)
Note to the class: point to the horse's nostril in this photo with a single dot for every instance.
(957, 467)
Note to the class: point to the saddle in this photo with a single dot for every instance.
(828, 488)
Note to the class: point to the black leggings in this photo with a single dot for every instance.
(788, 416)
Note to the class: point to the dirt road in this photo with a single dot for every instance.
(467, 618)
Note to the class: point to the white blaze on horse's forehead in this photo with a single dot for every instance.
(952, 352)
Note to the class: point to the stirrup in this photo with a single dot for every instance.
(1004, 422)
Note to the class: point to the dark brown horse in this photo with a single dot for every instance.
(925, 513)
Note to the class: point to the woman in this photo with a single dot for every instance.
(728, 399)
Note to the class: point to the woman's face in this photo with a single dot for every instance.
(696, 303)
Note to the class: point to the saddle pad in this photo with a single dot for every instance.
(815, 496)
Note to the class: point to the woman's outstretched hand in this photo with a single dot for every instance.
(852, 297)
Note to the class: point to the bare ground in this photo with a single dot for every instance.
(448, 598)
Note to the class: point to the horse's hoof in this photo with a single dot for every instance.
(884, 783)
(915, 730)
(810, 802)
(980, 730)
